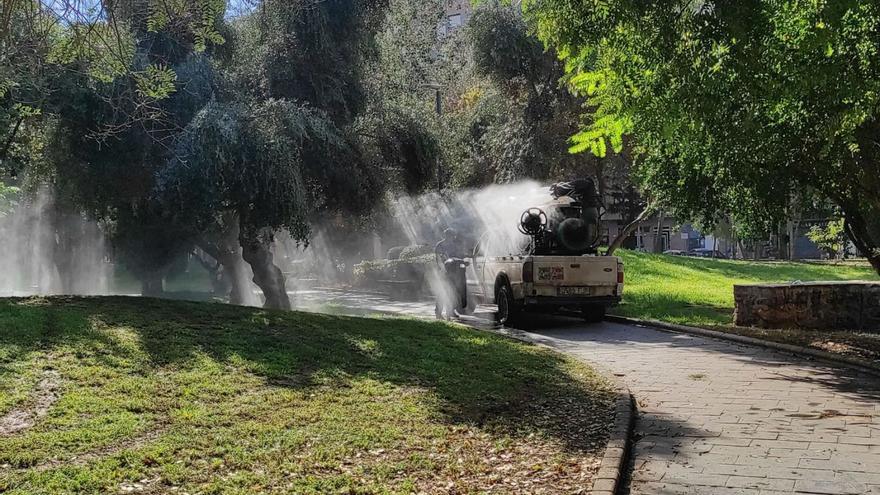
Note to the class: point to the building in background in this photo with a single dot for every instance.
(458, 13)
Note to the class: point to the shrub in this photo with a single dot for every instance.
(416, 251)
(395, 252)
(371, 273)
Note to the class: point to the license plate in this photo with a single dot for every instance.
(574, 291)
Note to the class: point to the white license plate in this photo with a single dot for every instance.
(574, 291)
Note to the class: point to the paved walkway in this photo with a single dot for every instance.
(724, 418)
(718, 417)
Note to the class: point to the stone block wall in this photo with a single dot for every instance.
(820, 305)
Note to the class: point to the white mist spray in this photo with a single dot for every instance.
(47, 251)
(489, 216)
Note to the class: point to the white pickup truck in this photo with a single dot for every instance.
(558, 269)
(589, 284)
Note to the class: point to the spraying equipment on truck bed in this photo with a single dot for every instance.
(567, 225)
(560, 269)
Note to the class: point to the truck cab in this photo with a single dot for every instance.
(554, 266)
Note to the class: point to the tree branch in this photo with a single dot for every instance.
(629, 229)
(11, 138)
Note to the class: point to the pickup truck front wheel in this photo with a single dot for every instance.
(508, 311)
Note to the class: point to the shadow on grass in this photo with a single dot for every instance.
(480, 378)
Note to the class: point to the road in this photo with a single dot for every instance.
(714, 417)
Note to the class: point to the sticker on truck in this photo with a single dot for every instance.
(551, 273)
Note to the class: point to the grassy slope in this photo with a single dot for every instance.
(699, 292)
(160, 395)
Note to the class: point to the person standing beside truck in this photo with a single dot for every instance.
(450, 255)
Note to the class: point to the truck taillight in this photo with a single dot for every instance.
(528, 271)
(620, 273)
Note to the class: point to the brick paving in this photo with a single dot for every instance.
(723, 418)
(717, 417)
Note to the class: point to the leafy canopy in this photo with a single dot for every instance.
(731, 105)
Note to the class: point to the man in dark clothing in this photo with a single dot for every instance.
(450, 254)
(450, 246)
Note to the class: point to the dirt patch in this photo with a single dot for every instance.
(45, 394)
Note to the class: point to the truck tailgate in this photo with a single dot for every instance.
(575, 270)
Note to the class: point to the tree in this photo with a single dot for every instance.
(523, 115)
(177, 127)
(113, 134)
(731, 106)
(308, 59)
(829, 238)
(399, 126)
(248, 162)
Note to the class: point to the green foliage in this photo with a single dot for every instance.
(199, 18)
(731, 106)
(399, 124)
(8, 198)
(830, 238)
(504, 52)
(248, 160)
(412, 269)
(332, 38)
(156, 82)
(511, 117)
(416, 251)
(105, 51)
(408, 54)
(406, 145)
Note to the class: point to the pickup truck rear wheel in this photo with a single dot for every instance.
(508, 311)
(593, 313)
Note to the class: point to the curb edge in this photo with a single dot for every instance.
(611, 474)
(857, 364)
(608, 479)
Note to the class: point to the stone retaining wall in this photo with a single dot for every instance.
(822, 305)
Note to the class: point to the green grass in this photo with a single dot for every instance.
(699, 291)
(176, 397)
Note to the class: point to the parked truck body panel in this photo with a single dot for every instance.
(555, 281)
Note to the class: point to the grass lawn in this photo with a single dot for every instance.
(131, 395)
(699, 292)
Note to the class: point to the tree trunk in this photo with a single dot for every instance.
(734, 242)
(629, 229)
(152, 284)
(857, 230)
(214, 269)
(233, 271)
(266, 275)
(658, 239)
(782, 246)
(600, 180)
